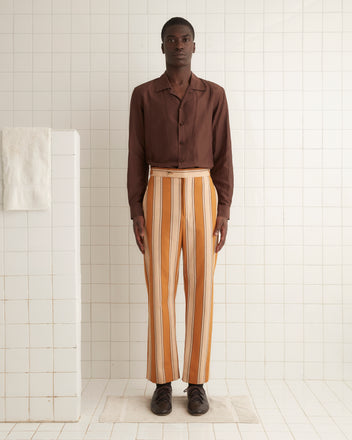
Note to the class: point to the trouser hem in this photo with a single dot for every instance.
(170, 379)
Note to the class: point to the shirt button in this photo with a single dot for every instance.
(181, 123)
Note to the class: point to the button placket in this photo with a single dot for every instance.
(180, 133)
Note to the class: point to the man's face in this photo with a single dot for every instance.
(178, 45)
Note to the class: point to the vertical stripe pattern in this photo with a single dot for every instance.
(180, 209)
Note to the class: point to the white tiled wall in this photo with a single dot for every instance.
(40, 298)
(283, 307)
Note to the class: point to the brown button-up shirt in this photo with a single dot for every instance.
(165, 131)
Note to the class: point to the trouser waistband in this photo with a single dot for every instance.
(179, 172)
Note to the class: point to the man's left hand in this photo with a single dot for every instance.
(220, 229)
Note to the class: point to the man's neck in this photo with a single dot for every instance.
(178, 77)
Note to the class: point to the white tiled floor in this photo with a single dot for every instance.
(288, 409)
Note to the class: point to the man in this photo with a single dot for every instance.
(179, 126)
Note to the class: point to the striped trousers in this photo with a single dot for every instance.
(180, 208)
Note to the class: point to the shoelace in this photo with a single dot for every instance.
(195, 393)
(163, 393)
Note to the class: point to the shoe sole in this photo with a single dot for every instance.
(162, 414)
(198, 414)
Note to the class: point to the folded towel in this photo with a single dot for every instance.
(26, 160)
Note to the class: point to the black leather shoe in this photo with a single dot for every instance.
(161, 400)
(197, 400)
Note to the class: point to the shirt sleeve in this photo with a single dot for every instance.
(137, 169)
(222, 171)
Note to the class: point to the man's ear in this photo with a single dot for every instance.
(162, 47)
(194, 47)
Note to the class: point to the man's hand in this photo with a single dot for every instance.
(139, 231)
(220, 229)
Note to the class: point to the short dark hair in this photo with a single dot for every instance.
(173, 21)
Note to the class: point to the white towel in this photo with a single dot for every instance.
(26, 160)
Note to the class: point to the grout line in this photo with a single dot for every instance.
(108, 33)
(91, 359)
(226, 343)
(264, 247)
(129, 227)
(252, 399)
(28, 253)
(284, 296)
(3, 231)
(264, 211)
(300, 406)
(245, 230)
(323, 305)
(93, 411)
(324, 383)
(51, 232)
(344, 349)
(302, 194)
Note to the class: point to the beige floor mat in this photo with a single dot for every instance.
(227, 409)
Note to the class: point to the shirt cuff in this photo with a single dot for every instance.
(136, 209)
(224, 211)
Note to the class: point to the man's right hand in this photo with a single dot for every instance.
(139, 231)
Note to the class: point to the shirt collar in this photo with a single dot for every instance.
(163, 83)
